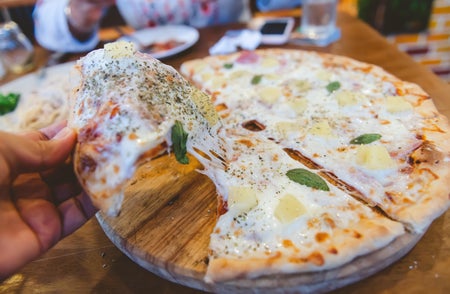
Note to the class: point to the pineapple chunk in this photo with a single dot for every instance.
(269, 62)
(240, 74)
(271, 77)
(321, 128)
(289, 209)
(324, 75)
(396, 104)
(298, 86)
(285, 128)
(204, 103)
(374, 157)
(196, 65)
(269, 94)
(217, 82)
(242, 198)
(206, 76)
(298, 105)
(119, 49)
(346, 98)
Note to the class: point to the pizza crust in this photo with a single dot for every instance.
(343, 246)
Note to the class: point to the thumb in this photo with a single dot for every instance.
(23, 154)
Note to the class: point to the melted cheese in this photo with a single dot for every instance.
(125, 106)
(363, 104)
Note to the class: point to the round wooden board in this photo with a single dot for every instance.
(168, 214)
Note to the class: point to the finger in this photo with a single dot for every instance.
(64, 191)
(18, 243)
(25, 155)
(42, 218)
(30, 186)
(45, 133)
(75, 212)
(59, 174)
(62, 181)
(33, 200)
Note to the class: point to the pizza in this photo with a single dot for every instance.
(317, 159)
(126, 108)
(331, 159)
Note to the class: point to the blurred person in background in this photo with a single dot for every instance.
(72, 25)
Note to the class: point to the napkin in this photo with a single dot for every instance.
(235, 39)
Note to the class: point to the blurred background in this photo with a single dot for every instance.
(421, 28)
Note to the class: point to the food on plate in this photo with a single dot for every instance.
(329, 159)
(8, 102)
(128, 107)
(164, 45)
(43, 100)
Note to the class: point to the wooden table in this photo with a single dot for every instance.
(16, 3)
(87, 262)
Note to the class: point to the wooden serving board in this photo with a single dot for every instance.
(168, 214)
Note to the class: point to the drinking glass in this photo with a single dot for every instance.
(16, 50)
(318, 20)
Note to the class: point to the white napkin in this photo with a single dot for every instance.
(233, 40)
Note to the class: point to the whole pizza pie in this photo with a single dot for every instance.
(332, 159)
(316, 158)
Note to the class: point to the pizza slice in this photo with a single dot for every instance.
(128, 107)
(279, 216)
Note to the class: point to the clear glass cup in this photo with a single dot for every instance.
(2, 69)
(318, 18)
(16, 51)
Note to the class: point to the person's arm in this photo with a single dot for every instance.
(68, 25)
(83, 16)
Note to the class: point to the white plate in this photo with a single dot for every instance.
(43, 99)
(146, 37)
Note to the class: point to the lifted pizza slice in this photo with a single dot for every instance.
(128, 107)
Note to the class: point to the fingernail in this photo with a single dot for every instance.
(64, 133)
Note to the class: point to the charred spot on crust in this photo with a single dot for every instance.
(426, 153)
(253, 125)
(297, 155)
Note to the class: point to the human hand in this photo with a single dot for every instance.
(41, 200)
(84, 15)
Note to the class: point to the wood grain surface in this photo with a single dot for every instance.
(16, 3)
(88, 262)
(168, 215)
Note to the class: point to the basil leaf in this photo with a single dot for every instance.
(333, 86)
(179, 139)
(256, 79)
(8, 102)
(228, 65)
(365, 139)
(307, 178)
